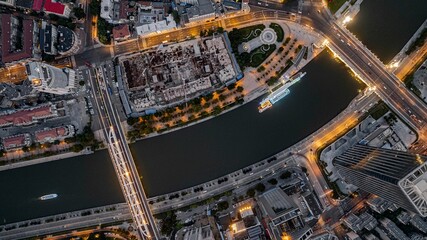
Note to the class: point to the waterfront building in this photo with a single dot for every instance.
(16, 141)
(398, 177)
(50, 79)
(53, 134)
(283, 216)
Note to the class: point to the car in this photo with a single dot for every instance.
(259, 3)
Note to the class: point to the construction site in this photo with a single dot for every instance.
(168, 75)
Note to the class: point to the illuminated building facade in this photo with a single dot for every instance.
(398, 177)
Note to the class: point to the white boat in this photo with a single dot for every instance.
(280, 93)
(48, 196)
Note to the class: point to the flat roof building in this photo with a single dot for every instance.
(284, 215)
(48, 38)
(202, 11)
(111, 11)
(50, 79)
(398, 177)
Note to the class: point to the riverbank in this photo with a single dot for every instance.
(44, 159)
(255, 82)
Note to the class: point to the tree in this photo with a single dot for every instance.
(304, 169)
(220, 30)
(77, 148)
(260, 187)
(176, 16)
(272, 181)
(239, 89)
(168, 223)
(26, 149)
(79, 12)
(223, 206)
(250, 192)
(285, 175)
(81, 83)
(231, 86)
(95, 7)
(222, 97)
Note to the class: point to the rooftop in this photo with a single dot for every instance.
(14, 141)
(26, 116)
(121, 31)
(26, 37)
(414, 185)
(65, 39)
(54, 7)
(37, 5)
(276, 202)
(51, 134)
(24, 3)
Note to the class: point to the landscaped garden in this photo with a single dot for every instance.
(279, 31)
(255, 57)
(238, 36)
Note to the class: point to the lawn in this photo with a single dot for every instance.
(279, 31)
(238, 36)
(334, 5)
(378, 110)
(256, 57)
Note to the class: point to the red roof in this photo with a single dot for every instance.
(54, 7)
(37, 5)
(124, 9)
(27, 39)
(14, 141)
(121, 31)
(26, 116)
(50, 134)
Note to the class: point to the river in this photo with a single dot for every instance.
(385, 26)
(188, 156)
(242, 137)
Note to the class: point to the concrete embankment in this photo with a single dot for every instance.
(43, 160)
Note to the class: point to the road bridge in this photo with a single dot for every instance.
(121, 156)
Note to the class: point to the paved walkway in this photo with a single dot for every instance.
(44, 159)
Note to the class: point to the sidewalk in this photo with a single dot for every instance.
(44, 160)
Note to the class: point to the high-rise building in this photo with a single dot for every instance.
(398, 177)
(50, 79)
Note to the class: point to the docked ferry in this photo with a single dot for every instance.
(280, 93)
(49, 196)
